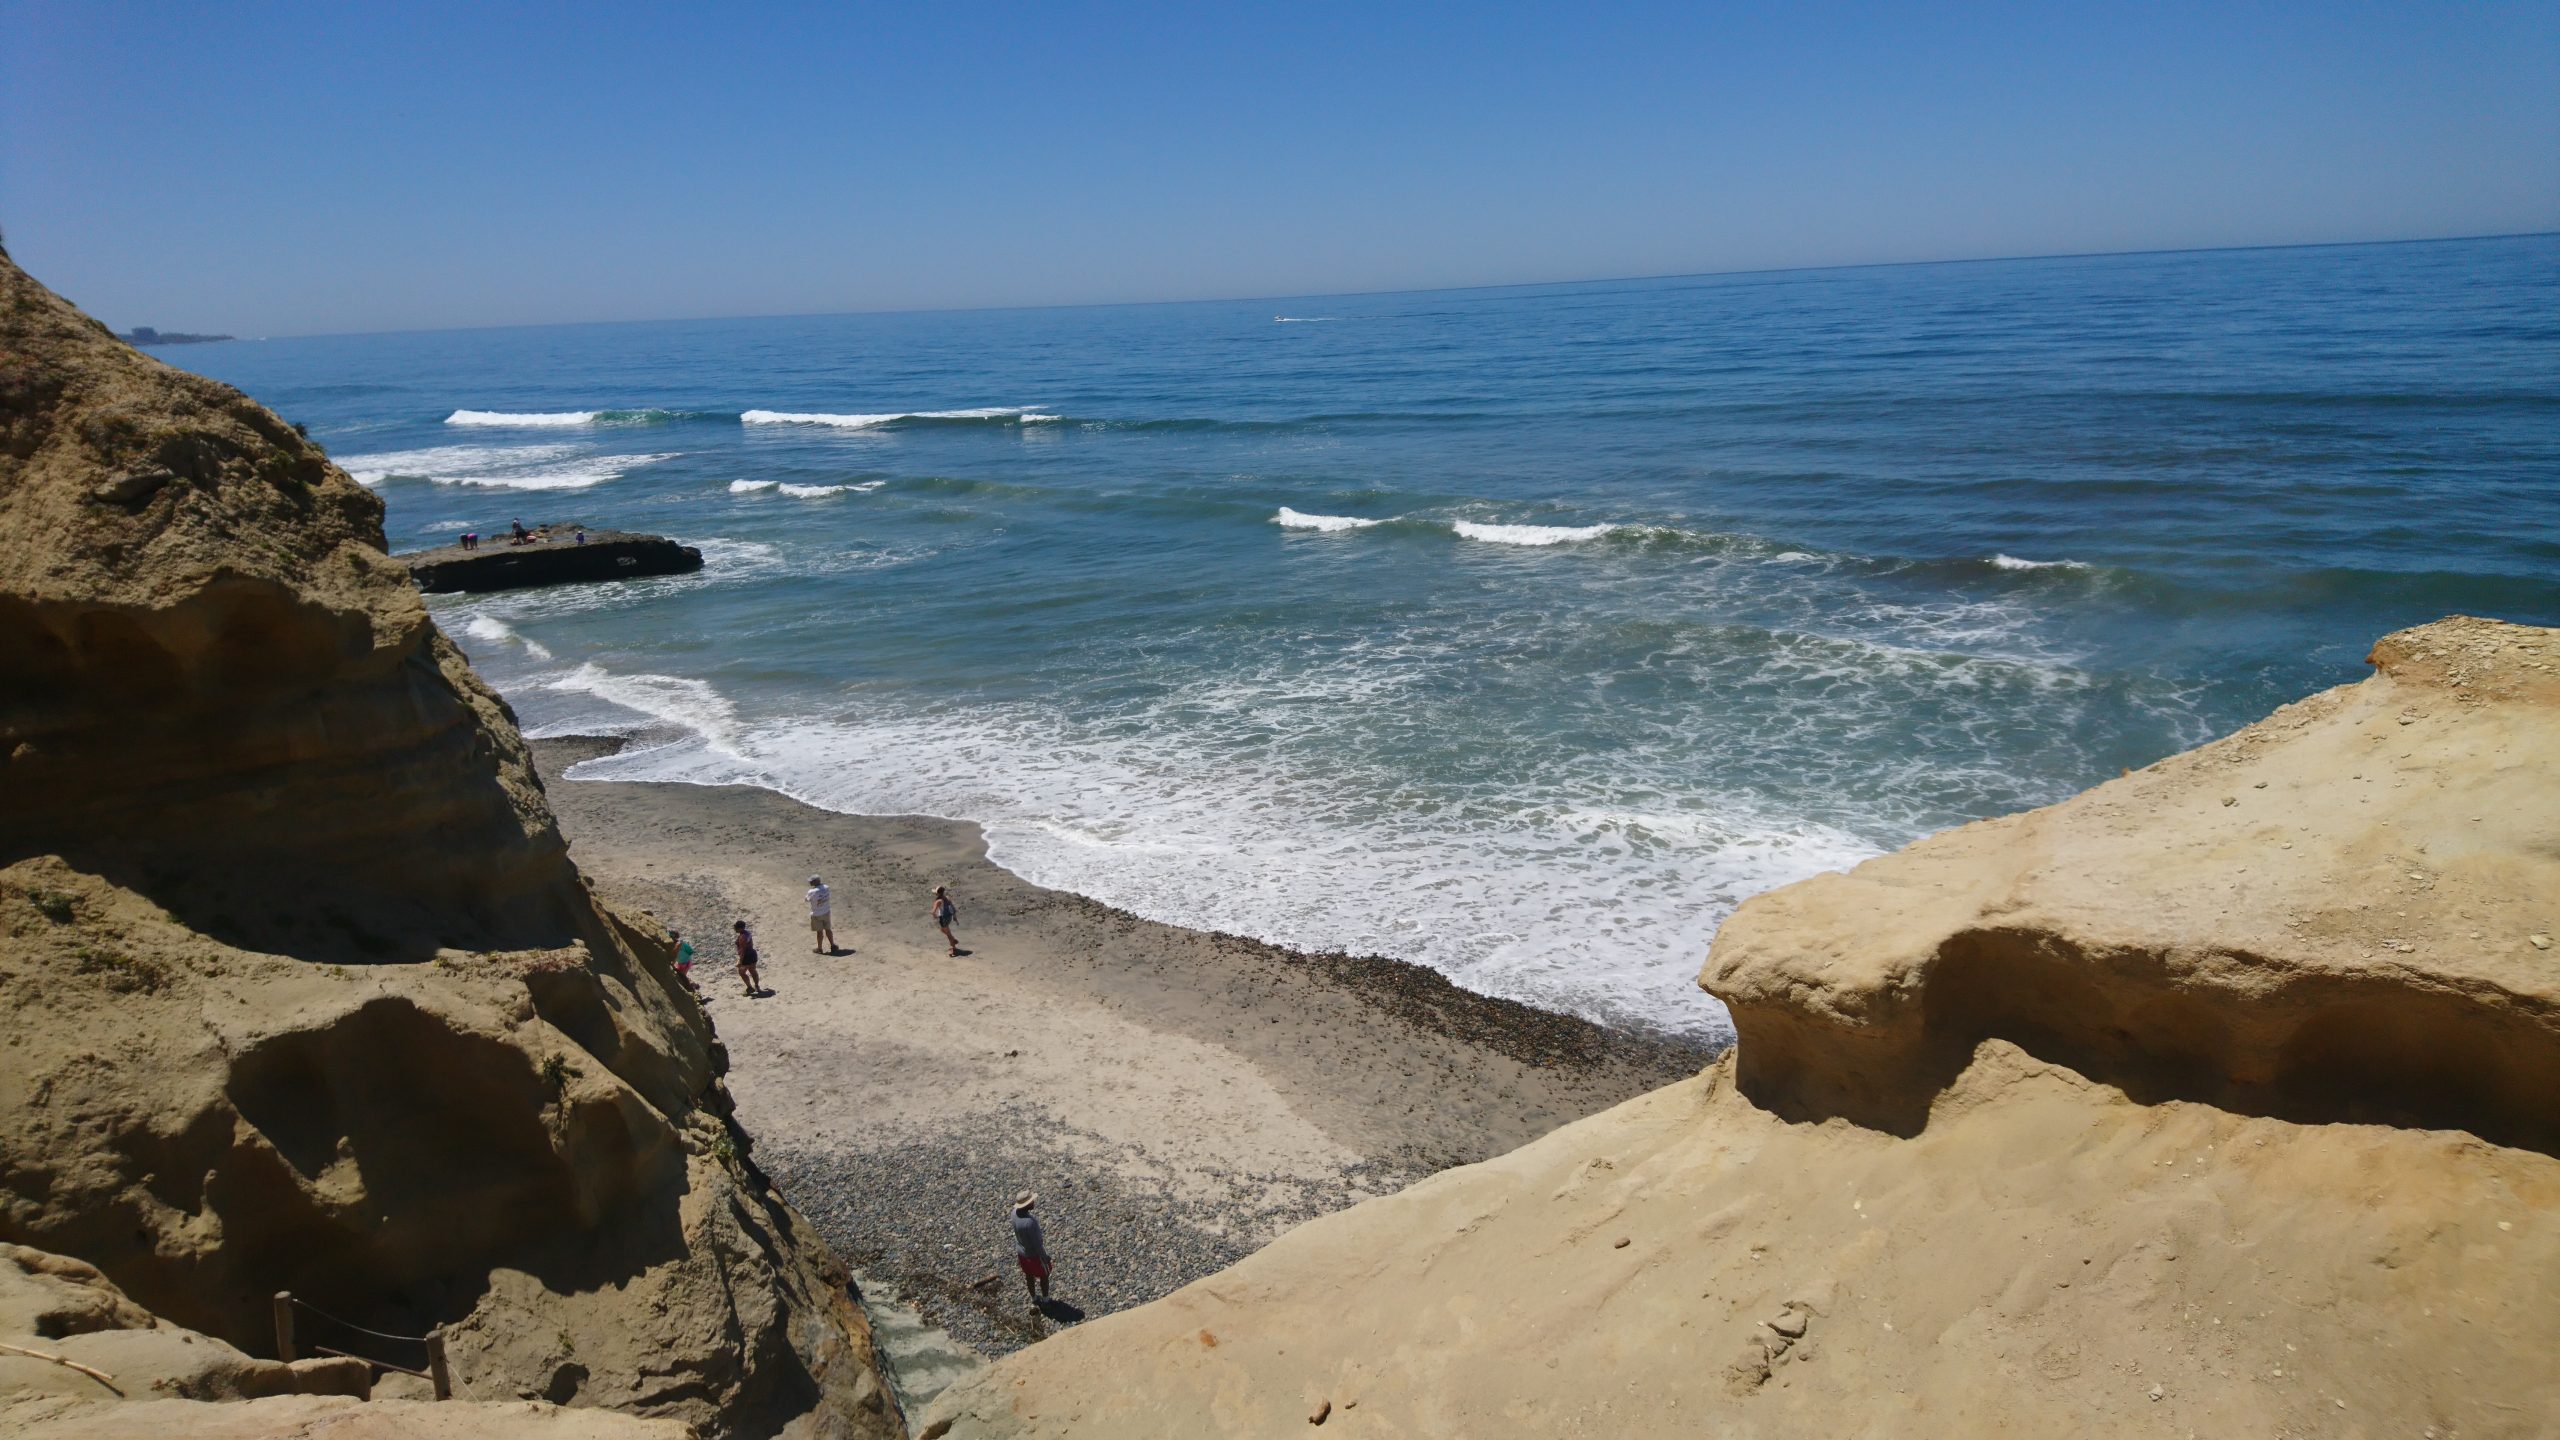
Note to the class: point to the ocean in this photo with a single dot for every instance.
(1520, 632)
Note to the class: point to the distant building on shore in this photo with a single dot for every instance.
(145, 335)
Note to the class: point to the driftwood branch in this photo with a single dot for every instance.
(101, 1376)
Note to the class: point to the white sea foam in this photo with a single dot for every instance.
(490, 628)
(548, 419)
(723, 556)
(510, 467)
(1293, 520)
(803, 492)
(1529, 534)
(2012, 562)
(1302, 319)
(676, 700)
(873, 421)
(1598, 909)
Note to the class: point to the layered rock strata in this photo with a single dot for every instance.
(303, 991)
(2213, 1101)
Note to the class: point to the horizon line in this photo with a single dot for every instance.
(1407, 290)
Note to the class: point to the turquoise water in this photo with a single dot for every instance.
(1518, 632)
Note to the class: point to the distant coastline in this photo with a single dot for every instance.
(145, 335)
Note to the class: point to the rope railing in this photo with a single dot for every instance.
(437, 1373)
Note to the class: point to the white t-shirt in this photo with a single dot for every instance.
(820, 902)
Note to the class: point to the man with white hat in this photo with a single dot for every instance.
(1030, 1250)
(822, 918)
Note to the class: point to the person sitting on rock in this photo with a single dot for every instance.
(745, 939)
(1030, 1248)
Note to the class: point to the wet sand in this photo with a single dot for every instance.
(1177, 1098)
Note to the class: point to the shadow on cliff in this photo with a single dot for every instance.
(2378, 1048)
(371, 1151)
(301, 804)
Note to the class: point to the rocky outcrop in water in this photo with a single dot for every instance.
(2217, 1100)
(555, 555)
(303, 992)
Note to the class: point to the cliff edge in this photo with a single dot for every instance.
(303, 991)
(2216, 1100)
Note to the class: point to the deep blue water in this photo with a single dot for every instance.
(1676, 590)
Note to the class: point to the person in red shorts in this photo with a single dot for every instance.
(1030, 1249)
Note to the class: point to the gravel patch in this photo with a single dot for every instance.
(932, 1217)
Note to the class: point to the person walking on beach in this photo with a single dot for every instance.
(822, 920)
(745, 940)
(944, 913)
(1030, 1248)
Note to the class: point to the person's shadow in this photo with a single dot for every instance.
(1058, 1310)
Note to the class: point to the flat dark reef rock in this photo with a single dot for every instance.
(552, 557)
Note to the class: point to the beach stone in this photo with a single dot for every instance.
(1317, 1416)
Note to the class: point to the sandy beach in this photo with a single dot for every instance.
(1177, 1099)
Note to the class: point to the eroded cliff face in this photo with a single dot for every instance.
(2217, 1100)
(303, 992)
(214, 676)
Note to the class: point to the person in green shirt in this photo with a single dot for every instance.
(684, 961)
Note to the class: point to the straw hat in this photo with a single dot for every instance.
(1025, 1200)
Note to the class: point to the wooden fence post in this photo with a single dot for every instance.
(284, 1326)
(436, 1371)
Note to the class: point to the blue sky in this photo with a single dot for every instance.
(279, 169)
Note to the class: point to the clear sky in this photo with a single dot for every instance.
(285, 168)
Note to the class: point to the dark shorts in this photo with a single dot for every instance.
(1035, 1266)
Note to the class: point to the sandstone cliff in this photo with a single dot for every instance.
(304, 992)
(2215, 1101)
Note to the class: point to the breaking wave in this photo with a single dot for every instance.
(565, 419)
(988, 415)
(506, 467)
(540, 420)
(1289, 519)
(1529, 534)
